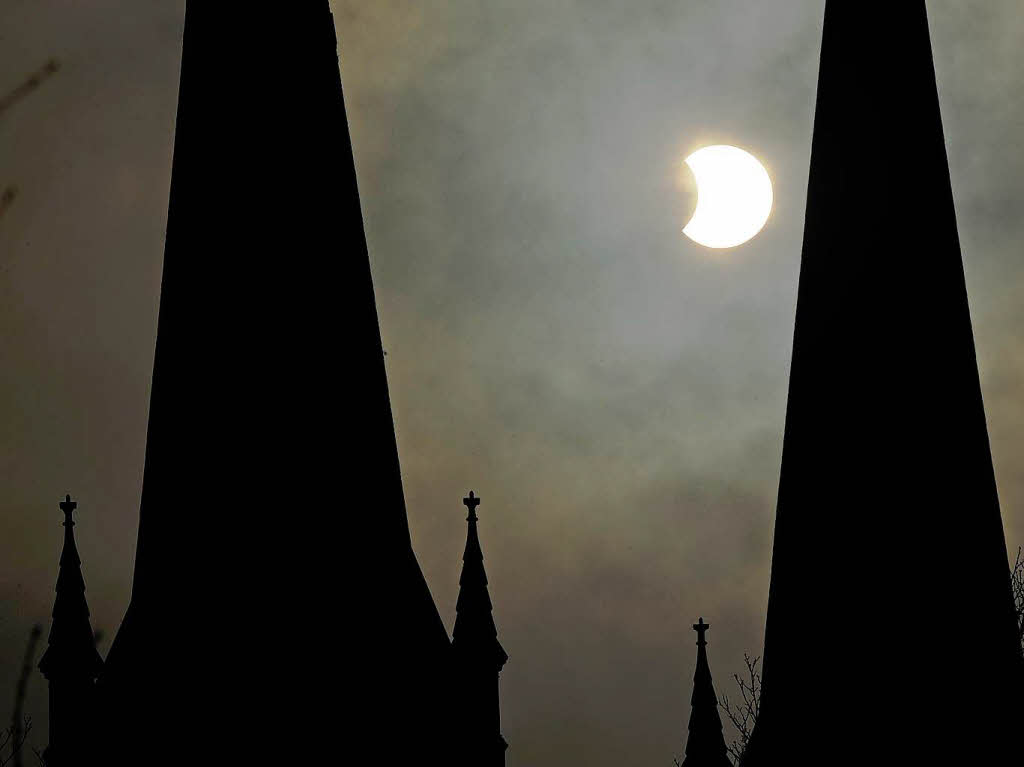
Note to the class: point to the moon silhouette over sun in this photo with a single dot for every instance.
(734, 197)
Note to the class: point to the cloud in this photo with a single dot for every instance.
(615, 394)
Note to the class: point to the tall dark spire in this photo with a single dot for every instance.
(71, 662)
(479, 658)
(888, 523)
(705, 744)
(270, 400)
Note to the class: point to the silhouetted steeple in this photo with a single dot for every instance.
(887, 511)
(479, 658)
(705, 744)
(269, 390)
(71, 662)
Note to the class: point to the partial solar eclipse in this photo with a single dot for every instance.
(734, 197)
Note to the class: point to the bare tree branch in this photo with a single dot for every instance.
(1017, 580)
(12, 740)
(743, 714)
(18, 717)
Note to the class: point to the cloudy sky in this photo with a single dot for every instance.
(615, 393)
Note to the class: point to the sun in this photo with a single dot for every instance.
(734, 197)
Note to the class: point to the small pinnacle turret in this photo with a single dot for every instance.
(705, 744)
(71, 663)
(479, 658)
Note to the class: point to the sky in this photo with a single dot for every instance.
(614, 392)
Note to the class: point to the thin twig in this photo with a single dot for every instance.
(743, 715)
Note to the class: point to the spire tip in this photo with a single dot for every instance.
(471, 502)
(68, 507)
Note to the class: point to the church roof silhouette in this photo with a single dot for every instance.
(272, 501)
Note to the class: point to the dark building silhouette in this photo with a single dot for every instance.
(888, 528)
(71, 663)
(277, 606)
(705, 743)
(478, 659)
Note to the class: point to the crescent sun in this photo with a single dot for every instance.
(734, 197)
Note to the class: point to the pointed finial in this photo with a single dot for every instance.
(701, 628)
(68, 506)
(471, 503)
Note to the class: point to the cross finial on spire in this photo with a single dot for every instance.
(701, 628)
(471, 503)
(68, 506)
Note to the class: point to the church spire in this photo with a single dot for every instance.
(887, 504)
(479, 658)
(705, 744)
(266, 290)
(71, 662)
